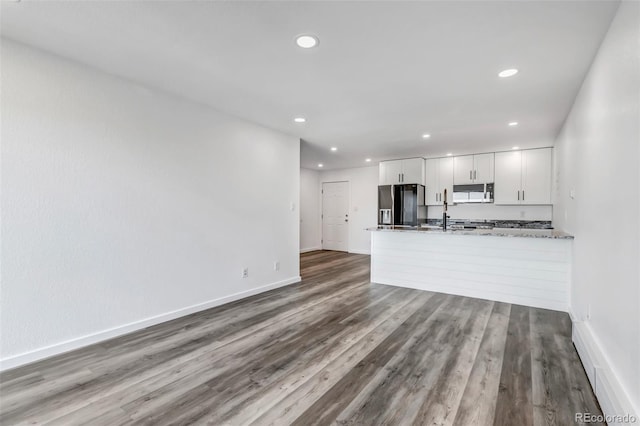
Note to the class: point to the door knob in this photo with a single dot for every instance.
(346, 220)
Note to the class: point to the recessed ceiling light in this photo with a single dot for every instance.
(449, 154)
(368, 160)
(333, 148)
(516, 147)
(307, 41)
(426, 136)
(300, 119)
(508, 73)
(320, 165)
(513, 123)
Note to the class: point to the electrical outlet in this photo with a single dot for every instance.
(276, 266)
(245, 273)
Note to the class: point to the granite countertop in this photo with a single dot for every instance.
(495, 232)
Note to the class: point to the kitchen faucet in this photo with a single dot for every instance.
(444, 211)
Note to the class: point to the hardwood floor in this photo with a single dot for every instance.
(333, 349)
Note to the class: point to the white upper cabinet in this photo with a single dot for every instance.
(508, 177)
(432, 179)
(439, 172)
(536, 176)
(483, 167)
(390, 172)
(463, 169)
(476, 168)
(523, 177)
(413, 171)
(446, 179)
(410, 170)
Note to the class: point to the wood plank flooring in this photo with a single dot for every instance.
(334, 349)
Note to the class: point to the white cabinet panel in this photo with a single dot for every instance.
(508, 177)
(410, 170)
(413, 171)
(463, 169)
(445, 179)
(483, 168)
(439, 176)
(536, 176)
(523, 177)
(390, 172)
(468, 169)
(432, 173)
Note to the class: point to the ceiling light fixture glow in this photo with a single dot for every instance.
(449, 154)
(334, 149)
(320, 165)
(300, 120)
(508, 73)
(307, 41)
(368, 160)
(513, 123)
(426, 136)
(516, 147)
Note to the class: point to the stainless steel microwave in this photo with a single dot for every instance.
(475, 193)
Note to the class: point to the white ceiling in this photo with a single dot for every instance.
(383, 74)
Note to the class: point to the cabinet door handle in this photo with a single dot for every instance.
(475, 174)
(399, 178)
(518, 195)
(403, 178)
(470, 175)
(523, 195)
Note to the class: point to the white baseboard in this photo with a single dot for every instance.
(612, 396)
(358, 251)
(79, 342)
(305, 250)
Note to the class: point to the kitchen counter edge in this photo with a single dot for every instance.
(518, 233)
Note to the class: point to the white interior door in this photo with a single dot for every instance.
(335, 216)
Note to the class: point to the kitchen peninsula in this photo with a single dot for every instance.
(523, 266)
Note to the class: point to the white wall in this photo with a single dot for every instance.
(310, 232)
(363, 203)
(597, 158)
(123, 206)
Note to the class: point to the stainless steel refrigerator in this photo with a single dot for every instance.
(401, 205)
